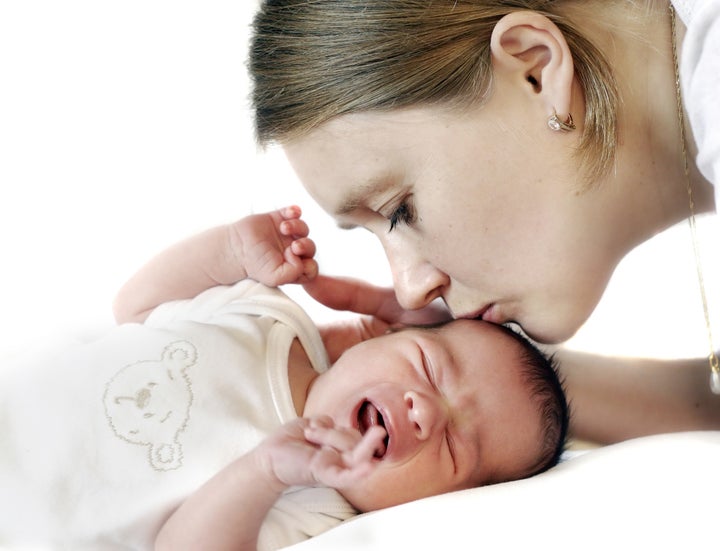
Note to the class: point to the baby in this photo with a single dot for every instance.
(210, 417)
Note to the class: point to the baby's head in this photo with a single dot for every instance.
(465, 404)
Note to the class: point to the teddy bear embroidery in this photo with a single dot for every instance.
(148, 403)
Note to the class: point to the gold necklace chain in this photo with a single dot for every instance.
(712, 358)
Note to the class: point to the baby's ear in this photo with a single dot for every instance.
(532, 52)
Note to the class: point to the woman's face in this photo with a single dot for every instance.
(480, 207)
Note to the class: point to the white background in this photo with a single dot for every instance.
(124, 126)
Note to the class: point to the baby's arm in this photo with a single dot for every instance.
(379, 308)
(272, 248)
(227, 512)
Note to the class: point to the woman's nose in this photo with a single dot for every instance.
(417, 282)
(426, 413)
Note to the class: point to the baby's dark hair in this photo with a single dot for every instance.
(541, 373)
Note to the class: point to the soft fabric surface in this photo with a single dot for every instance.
(657, 492)
(100, 443)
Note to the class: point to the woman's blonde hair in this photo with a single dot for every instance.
(313, 60)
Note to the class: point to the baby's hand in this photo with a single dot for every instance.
(274, 247)
(310, 452)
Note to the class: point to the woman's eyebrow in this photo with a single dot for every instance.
(358, 196)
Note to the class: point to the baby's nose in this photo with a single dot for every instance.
(426, 413)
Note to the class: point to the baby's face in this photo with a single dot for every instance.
(452, 400)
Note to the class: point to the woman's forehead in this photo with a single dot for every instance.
(373, 130)
(342, 174)
(363, 154)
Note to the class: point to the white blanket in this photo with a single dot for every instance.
(659, 492)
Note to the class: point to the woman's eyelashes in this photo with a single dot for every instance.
(404, 213)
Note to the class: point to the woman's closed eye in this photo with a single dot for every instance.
(404, 213)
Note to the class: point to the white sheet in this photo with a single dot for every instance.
(658, 492)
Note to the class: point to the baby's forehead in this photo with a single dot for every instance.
(496, 354)
(475, 342)
(480, 328)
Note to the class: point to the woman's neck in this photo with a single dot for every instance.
(649, 176)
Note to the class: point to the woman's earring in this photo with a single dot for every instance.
(557, 125)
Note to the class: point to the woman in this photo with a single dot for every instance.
(507, 154)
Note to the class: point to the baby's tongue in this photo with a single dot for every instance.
(368, 417)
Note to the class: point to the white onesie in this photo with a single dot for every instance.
(101, 442)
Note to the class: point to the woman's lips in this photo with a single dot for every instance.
(492, 314)
(486, 313)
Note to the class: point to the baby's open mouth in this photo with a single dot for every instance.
(369, 416)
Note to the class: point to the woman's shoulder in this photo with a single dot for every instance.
(700, 75)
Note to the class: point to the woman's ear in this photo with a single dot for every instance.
(530, 46)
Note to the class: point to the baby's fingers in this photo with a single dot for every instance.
(372, 441)
(300, 269)
(336, 468)
(310, 270)
(290, 212)
(294, 228)
(303, 247)
(339, 438)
